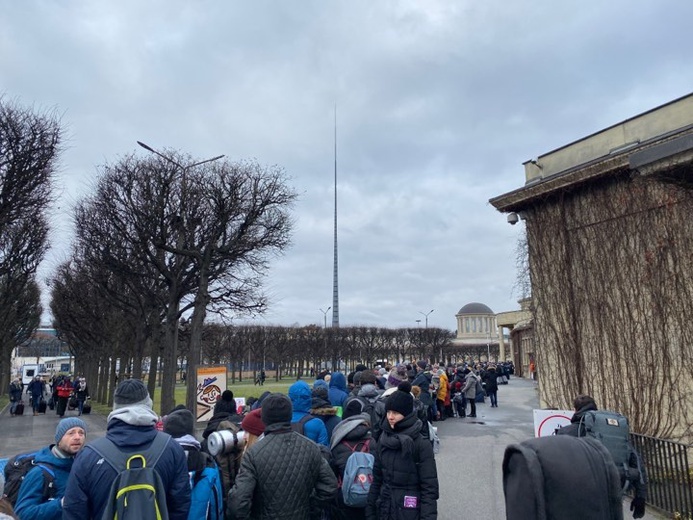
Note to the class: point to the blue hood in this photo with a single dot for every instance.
(338, 381)
(300, 396)
(320, 382)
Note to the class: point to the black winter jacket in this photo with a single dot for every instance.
(282, 476)
(405, 483)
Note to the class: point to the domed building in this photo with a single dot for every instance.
(476, 324)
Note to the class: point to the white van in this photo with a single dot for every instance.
(30, 371)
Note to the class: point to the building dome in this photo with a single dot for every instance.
(474, 308)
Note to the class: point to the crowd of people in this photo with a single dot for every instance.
(355, 446)
(59, 393)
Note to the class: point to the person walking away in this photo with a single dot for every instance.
(301, 420)
(491, 381)
(405, 477)
(53, 462)
(64, 391)
(634, 474)
(469, 390)
(35, 388)
(283, 475)
(130, 428)
(81, 394)
(15, 395)
(338, 390)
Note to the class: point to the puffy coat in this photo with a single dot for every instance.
(30, 503)
(404, 467)
(90, 481)
(337, 392)
(282, 476)
(469, 388)
(443, 388)
(324, 411)
(423, 381)
(301, 400)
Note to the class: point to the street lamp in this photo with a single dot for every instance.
(418, 323)
(150, 149)
(325, 316)
(426, 314)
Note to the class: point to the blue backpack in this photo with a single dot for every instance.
(206, 496)
(358, 475)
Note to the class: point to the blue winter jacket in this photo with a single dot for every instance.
(30, 502)
(90, 480)
(337, 392)
(301, 399)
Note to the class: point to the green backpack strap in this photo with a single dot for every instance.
(117, 458)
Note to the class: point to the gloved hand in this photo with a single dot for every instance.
(638, 507)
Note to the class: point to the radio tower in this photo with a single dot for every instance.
(335, 274)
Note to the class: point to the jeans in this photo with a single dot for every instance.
(80, 405)
(493, 395)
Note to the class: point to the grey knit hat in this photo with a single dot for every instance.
(67, 424)
(131, 392)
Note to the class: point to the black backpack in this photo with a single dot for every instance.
(138, 491)
(17, 469)
(562, 477)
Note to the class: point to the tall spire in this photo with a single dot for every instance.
(335, 274)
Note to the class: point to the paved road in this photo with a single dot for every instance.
(469, 462)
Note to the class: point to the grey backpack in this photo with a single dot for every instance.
(137, 492)
(611, 429)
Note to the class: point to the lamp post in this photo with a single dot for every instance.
(324, 313)
(426, 314)
(195, 323)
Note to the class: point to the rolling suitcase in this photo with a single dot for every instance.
(72, 403)
(86, 408)
(20, 408)
(42, 406)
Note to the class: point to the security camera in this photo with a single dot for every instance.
(513, 218)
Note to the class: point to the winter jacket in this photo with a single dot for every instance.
(469, 388)
(405, 478)
(574, 429)
(30, 502)
(423, 381)
(282, 476)
(326, 412)
(443, 388)
(491, 380)
(35, 388)
(338, 389)
(301, 400)
(217, 418)
(15, 392)
(90, 481)
(81, 391)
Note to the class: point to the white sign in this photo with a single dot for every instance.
(546, 421)
(240, 405)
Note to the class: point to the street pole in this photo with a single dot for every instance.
(426, 314)
(324, 312)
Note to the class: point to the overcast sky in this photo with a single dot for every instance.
(438, 105)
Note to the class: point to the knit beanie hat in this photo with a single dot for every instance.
(180, 423)
(227, 404)
(401, 401)
(422, 364)
(252, 423)
(276, 408)
(396, 376)
(67, 424)
(131, 392)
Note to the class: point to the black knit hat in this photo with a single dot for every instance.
(401, 400)
(179, 423)
(276, 408)
(130, 392)
(227, 404)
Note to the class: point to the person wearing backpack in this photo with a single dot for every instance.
(352, 435)
(15, 395)
(283, 475)
(405, 478)
(101, 467)
(301, 420)
(43, 486)
(206, 498)
(631, 469)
